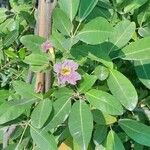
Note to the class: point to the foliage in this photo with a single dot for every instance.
(109, 107)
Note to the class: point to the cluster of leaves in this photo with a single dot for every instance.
(109, 108)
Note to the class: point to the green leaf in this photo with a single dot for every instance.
(85, 8)
(26, 90)
(136, 130)
(103, 118)
(134, 4)
(10, 53)
(10, 38)
(3, 15)
(104, 102)
(144, 31)
(57, 40)
(70, 7)
(114, 142)
(122, 34)
(122, 89)
(62, 22)
(41, 113)
(8, 25)
(43, 139)
(87, 83)
(4, 94)
(142, 68)
(99, 53)
(101, 72)
(11, 110)
(100, 134)
(81, 124)
(32, 42)
(37, 59)
(138, 50)
(62, 107)
(96, 31)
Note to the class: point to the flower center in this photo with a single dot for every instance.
(65, 71)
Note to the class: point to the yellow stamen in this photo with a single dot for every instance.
(65, 71)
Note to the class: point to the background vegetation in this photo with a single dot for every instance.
(109, 107)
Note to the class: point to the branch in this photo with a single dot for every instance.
(7, 135)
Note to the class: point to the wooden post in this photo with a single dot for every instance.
(45, 8)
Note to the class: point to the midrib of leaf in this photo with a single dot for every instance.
(103, 13)
(143, 18)
(133, 129)
(61, 109)
(35, 96)
(9, 39)
(119, 85)
(136, 52)
(6, 25)
(65, 27)
(99, 31)
(71, 11)
(25, 102)
(102, 101)
(113, 139)
(81, 121)
(39, 133)
(85, 85)
(40, 117)
(125, 31)
(88, 8)
(58, 112)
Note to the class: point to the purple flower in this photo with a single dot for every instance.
(46, 46)
(66, 72)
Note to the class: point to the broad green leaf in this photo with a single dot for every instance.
(144, 31)
(122, 34)
(85, 8)
(26, 90)
(122, 89)
(104, 102)
(142, 68)
(43, 139)
(138, 50)
(99, 53)
(70, 7)
(10, 53)
(87, 83)
(136, 130)
(96, 31)
(11, 110)
(101, 72)
(3, 15)
(99, 12)
(81, 124)
(37, 59)
(32, 42)
(57, 40)
(114, 142)
(134, 4)
(10, 38)
(41, 113)
(8, 25)
(143, 14)
(103, 118)
(62, 107)
(63, 92)
(4, 94)
(100, 134)
(62, 22)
